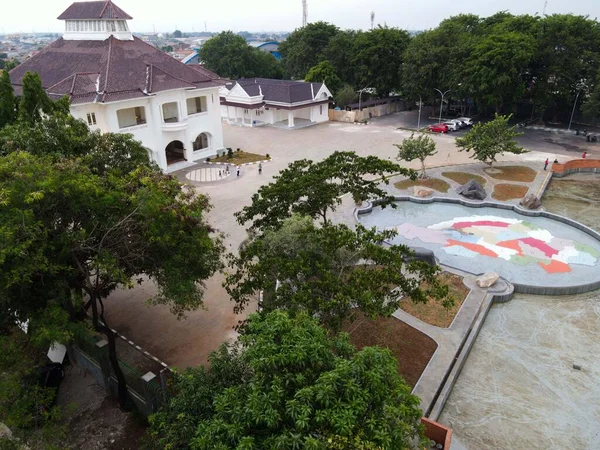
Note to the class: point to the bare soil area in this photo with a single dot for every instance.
(511, 173)
(433, 312)
(431, 183)
(464, 177)
(509, 191)
(412, 349)
(94, 420)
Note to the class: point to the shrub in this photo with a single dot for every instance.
(229, 153)
(268, 156)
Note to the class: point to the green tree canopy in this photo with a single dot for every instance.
(314, 188)
(419, 148)
(340, 53)
(489, 139)
(345, 96)
(34, 100)
(329, 272)
(378, 58)
(7, 101)
(324, 73)
(230, 56)
(288, 384)
(305, 48)
(68, 228)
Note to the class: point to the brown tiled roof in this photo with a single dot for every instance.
(284, 91)
(109, 70)
(94, 10)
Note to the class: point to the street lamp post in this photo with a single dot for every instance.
(574, 106)
(420, 106)
(360, 97)
(442, 102)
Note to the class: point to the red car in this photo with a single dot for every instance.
(438, 128)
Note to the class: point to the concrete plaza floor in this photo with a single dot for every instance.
(188, 342)
(518, 388)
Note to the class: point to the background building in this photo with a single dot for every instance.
(118, 83)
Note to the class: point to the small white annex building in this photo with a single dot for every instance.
(262, 101)
(118, 83)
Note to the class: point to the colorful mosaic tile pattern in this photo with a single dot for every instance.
(514, 240)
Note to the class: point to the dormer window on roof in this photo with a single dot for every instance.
(95, 21)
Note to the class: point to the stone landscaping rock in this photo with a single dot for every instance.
(472, 190)
(487, 279)
(422, 192)
(530, 201)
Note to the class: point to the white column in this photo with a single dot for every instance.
(228, 119)
(290, 119)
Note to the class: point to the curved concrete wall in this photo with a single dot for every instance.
(518, 287)
(576, 166)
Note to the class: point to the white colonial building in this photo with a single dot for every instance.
(118, 83)
(261, 101)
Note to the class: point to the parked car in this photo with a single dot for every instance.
(452, 125)
(460, 123)
(466, 120)
(438, 128)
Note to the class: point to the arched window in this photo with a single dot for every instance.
(201, 142)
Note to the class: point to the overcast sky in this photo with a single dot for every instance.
(281, 15)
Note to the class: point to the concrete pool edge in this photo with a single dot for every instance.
(518, 287)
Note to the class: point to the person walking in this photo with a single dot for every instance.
(546, 164)
(584, 155)
(238, 171)
(259, 168)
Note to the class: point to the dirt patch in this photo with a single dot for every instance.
(411, 348)
(240, 157)
(433, 312)
(511, 173)
(464, 177)
(509, 191)
(431, 183)
(94, 420)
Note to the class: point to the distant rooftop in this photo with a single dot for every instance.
(94, 10)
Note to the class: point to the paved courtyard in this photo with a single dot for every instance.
(188, 342)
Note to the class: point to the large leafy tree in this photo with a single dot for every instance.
(496, 68)
(230, 56)
(314, 189)
(288, 384)
(59, 135)
(324, 73)
(68, 228)
(7, 101)
(420, 147)
(34, 100)
(329, 272)
(304, 48)
(378, 58)
(340, 53)
(489, 139)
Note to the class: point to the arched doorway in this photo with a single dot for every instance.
(175, 152)
(201, 142)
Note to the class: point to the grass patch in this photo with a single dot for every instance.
(511, 173)
(431, 183)
(464, 177)
(240, 157)
(411, 348)
(509, 191)
(433, 312)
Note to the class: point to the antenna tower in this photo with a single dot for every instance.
(304, 12)
(545, 4)
(372, 19)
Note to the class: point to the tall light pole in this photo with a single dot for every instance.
(442, 102)
(574, 106)
(360, 96)
(419, 121)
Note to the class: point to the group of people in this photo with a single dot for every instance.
(583, 156)
(226, 172)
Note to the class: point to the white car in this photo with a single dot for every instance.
(459, 123)
(466, 120)
(452, 126)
